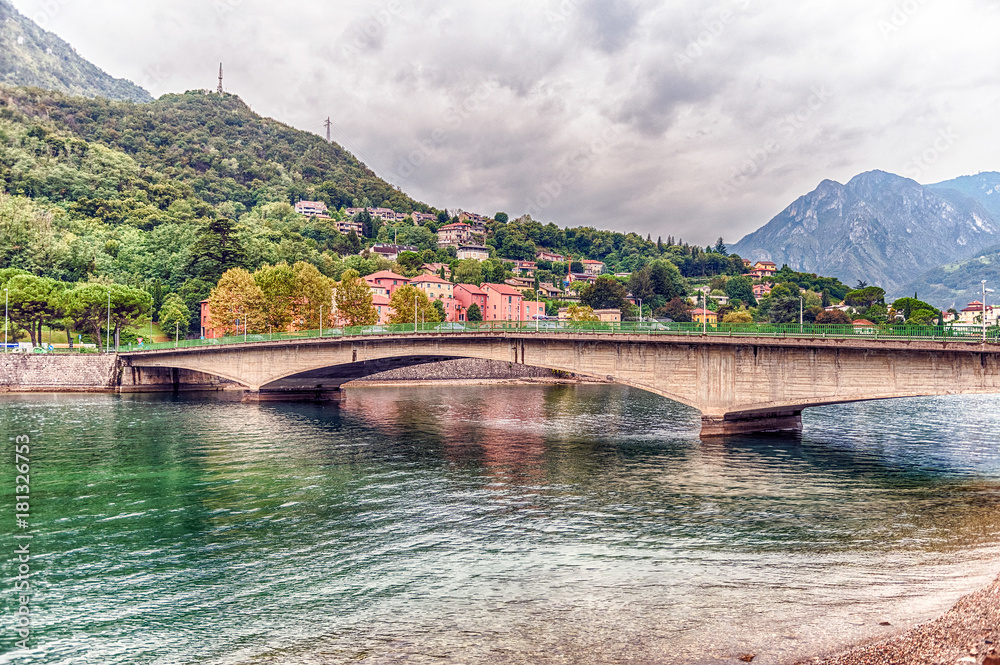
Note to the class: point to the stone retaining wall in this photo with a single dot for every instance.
(83, 372)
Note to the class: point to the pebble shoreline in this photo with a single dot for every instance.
(966, 634)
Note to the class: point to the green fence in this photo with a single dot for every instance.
(752, 330)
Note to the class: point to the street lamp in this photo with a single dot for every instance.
(704, 313)
(985, 291)
(321, 319)
(6, 302)
(800, 313)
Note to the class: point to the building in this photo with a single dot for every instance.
(592, 267)
(545, 255)
(532, 310)
(433, 286)
(311, 208)
(347, 225)
(457, 235)
(582, 277)
(385, 214)
(392, 252)
(704, 316)
(381, 304)
(436, 269)
(468, 295)
(522, 283)
(608, 315)
(761, 290)
(763, 270)
(546, 290)
(525, 268)
(422, 217)
(973, 314)
(387, 280)
(473, 252)
(207, 332)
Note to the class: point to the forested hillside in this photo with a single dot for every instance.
(32, 56)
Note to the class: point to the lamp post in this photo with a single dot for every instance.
(704, 313)
(107, 344)
(985, 291)
(640, 309)
(800, 313)
(6, 302)
(414, 313)
(177, 333)
(321, 320)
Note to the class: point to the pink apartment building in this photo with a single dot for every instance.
(469, 294)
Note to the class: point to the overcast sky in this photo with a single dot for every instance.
(687, 118)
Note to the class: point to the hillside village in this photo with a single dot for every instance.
(567, 287)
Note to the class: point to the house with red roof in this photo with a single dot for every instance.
(469, 294)
(441, 290)
(505, 303)
(592, 267)
(386, 280)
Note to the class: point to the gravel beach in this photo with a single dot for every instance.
(967, 633)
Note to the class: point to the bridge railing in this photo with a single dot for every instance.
(751, 330)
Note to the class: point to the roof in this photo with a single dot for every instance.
(591, 262)
(503, 289)
(862, 322)
(387, 274)
(703, 311)
(472, 289)
(379, 300)
(432, 279)
(456, 225)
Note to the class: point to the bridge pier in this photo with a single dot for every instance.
(315, 395)
(750, 423)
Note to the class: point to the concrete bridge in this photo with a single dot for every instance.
(740, 384)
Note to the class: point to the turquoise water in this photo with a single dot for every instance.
(579, 524)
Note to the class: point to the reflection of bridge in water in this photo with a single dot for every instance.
(740, 384)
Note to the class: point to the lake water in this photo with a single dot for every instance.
(508, 524)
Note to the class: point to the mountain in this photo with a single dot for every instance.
(957, 284)
(32, 56)
(983, 187)
(879, 228)
(214, 145)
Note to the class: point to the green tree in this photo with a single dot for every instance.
(833, 317)
(740, 288)
(474, 314)
(35, 302)
(439, 306)
(86, 307)
(605, 293)
(640, 284)
(720, 247)
(313, 294)
(217, 249)
(354, 301)
(175, 317)
(402, 302)
(741, 316)
(467, 272)
(581, 313)
(501, 217)
(667, 280)
(237, 304)
(278, 285)
(864, 298)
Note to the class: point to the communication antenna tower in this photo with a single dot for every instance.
(220, 79)
(328, 124)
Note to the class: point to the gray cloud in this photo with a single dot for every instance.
(692, 118)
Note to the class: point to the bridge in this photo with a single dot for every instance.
(739, 382)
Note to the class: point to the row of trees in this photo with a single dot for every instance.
(34, 302)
